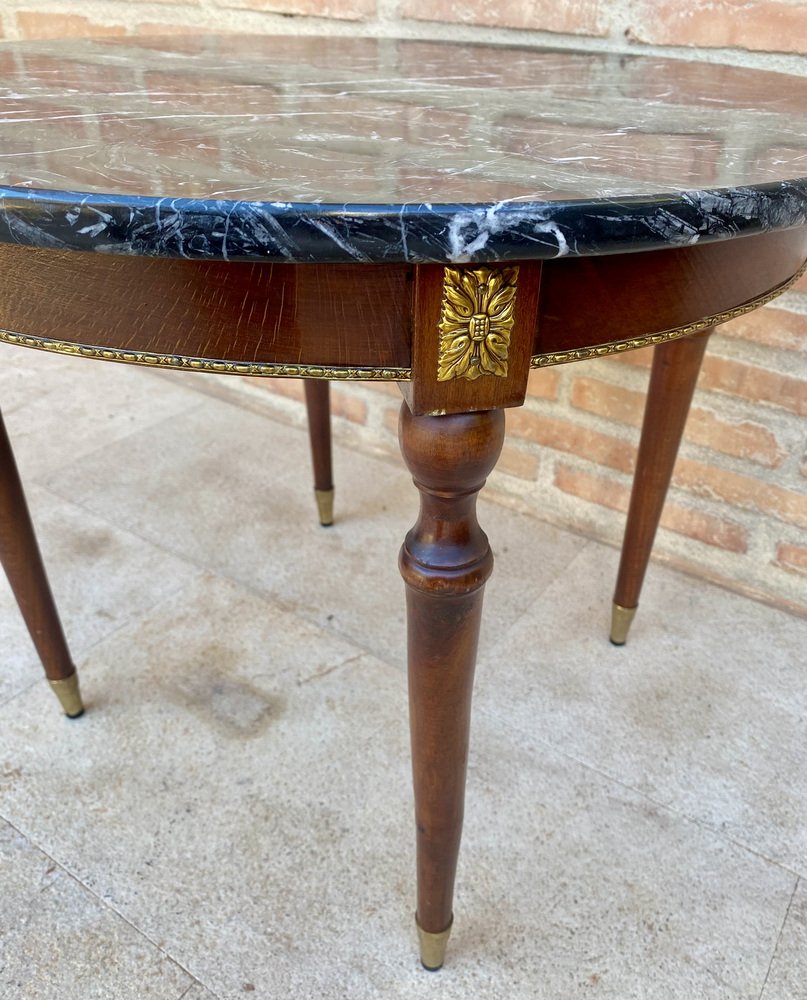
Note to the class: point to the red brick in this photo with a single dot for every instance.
(747, 440)
(792, 558)
(765, 25)
(343, 405)
(348, 10)
(577, 17)
(787, 161)
(291, 388)
(591, 487)
(773, 327)
(385, 389)
(741, 491)
(547, 72)
(206, 93)
(517, 462)
(638, 155)
(700, 84)
(391, 421)
(339, 53)
(705, 528)
(607, 400)
(189, 41)
(573, 439)
(159, 28)
(694, 524)
(753, 383)
(50, 25)
(641, 358)
(42, 69)
(424, 180)
(543, 383)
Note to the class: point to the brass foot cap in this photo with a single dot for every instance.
(621, 619)
(433, 947)
(69, 695)
(325, 506)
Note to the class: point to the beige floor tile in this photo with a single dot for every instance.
(102, 576)
(704, 710)
(59, 942)
(239, 791)
(59, 408)
(232, 490)
(198, 992)
(787, 979)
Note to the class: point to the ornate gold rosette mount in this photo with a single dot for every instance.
(476, 320)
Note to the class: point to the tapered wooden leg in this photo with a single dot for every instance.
(672, 382)
(445, 561)
(317, 401)
(20, 558)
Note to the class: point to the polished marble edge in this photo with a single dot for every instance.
(206, 229)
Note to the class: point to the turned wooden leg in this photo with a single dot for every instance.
(672, 382)
(445, 561)
(20, 558)
(317, 401)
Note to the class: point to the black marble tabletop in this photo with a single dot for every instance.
(345, 149)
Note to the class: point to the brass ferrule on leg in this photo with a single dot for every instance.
(67, 691)
(325, 506)
(433, 946)
(621, 619)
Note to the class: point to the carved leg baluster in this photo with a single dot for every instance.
(676, 365)
(20, 558)
(445, 561)
(317, 401)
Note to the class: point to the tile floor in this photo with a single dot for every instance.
(232, 816)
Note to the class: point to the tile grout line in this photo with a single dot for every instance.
(102, 639)
(193, 986)
(670, 809)
(38, 480)
(284, 606)
(17, 694)
(539, 594)
(105, 904)
(779, 937)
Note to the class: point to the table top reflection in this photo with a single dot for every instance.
(383, 150)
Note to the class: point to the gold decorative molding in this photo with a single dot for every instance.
(220, 367)
(651, 339)
(476, 320)
(352, 373)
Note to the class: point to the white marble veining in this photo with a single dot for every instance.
(380, 150)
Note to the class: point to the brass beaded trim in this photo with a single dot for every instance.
(617, 347)
(369, 374)
(204, 364)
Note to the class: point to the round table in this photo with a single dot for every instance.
(447, 217)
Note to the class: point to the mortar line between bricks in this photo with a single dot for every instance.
(779, 938)
(105, 903)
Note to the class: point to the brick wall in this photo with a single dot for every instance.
(737, 512)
